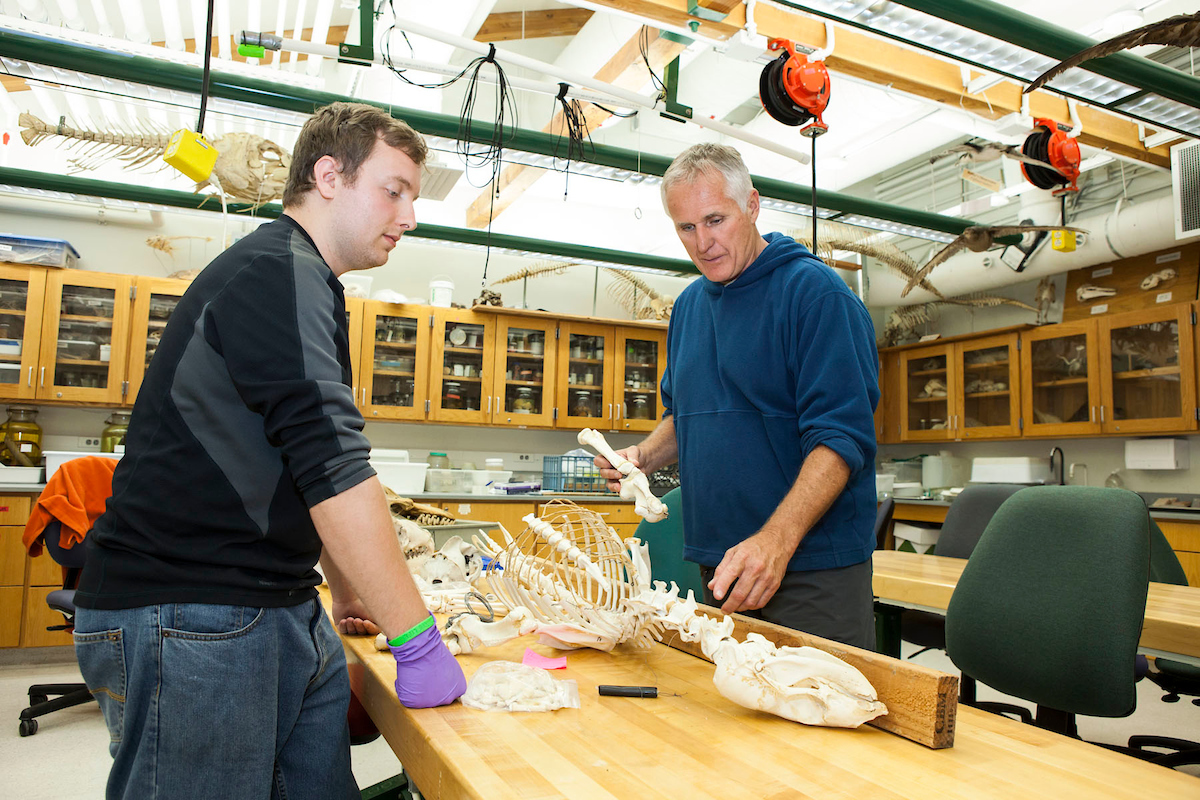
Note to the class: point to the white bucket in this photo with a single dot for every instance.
(441, 291)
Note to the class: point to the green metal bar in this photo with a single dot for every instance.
(1024, 30)
(177, 199)
(365, 49)
(138, 69)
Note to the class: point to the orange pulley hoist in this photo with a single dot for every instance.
(794, 90)
(1050, 144)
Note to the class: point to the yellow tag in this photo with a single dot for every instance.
(1063, 241)
(191, 154)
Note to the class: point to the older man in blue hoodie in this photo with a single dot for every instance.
(768, 397)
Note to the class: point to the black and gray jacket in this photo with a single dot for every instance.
(245, 420)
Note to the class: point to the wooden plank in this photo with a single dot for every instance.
(1126, 276)
(922, 703)
(507, 26)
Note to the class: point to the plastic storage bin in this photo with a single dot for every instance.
(56, 458)
(571, 474)
(448, 481)
(915, 537)
(33, 250)
(397, 473)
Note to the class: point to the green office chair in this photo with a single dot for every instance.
(1049, 607)
(666, 549)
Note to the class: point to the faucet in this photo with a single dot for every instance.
(1061, 480)
(1071, 472)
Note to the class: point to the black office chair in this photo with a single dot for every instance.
(1049, 607)
(1175, 677)
(47, 697)
(883, 521)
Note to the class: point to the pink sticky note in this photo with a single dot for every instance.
(532, 659)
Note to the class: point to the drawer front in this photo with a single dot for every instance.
(1191, 567)
(615, 513)
(38, 616)
(1182, 535)
(14, 509)
(919, 513)
(45, 571)
(12, 556)
(10, 615)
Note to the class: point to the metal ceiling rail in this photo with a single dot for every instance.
(139, 69)
(176, 199)
(1025, 30)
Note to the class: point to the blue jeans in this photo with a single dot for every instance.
(210, 701)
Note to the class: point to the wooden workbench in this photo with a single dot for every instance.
(692, 743)
(912, 580)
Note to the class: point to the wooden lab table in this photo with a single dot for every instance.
(692, 743)
(925, 582)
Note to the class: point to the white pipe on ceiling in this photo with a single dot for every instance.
(1121, 232)
(104, 27)
(279, 19)
(224, 31)
(134, 21)
(298, 30)
(69, 9)
(172, 27)
(320, 33)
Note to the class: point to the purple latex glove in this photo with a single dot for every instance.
(426, 674)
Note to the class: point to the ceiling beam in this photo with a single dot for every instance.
(626, 70)
(509, 26)
(883, 62)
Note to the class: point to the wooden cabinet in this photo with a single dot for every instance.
(641, 360)
(887, 413)
(1185, 541)
(585, 375)
(987, 400)
(1060, 380)
(22, 291)
(85, 336)
(463, 366)
(154, 300)
(1148, 379)
(12, 583)
(926, 408)
(524, 370)
(392, 377)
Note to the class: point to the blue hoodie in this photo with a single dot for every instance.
(759, 372)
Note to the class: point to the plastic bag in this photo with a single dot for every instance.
(507, 686)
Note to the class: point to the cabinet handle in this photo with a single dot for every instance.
(42, 377)
(1093, 416)
(1102, 415)
(499, 407)
(609, 416)
(489, 411)
(30, 378)
(619, 405)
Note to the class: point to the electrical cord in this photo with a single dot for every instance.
(207, 64)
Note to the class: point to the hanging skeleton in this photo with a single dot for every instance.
(903, 322)
(1044, 296)
(570, 579)
(249, 168)
(838, 236)
(631, 293)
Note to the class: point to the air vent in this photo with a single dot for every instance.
(1185, 180)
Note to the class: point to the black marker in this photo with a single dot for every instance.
(628, 691)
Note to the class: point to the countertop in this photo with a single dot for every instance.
(529, 497)
(1179, 514)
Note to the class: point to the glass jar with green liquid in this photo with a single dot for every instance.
(21, 437)
(112, 438)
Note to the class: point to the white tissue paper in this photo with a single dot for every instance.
(507, 686)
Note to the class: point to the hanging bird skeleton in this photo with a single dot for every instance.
(630, 292)
(1180, 31)
(979, 151)
(902, 322)
(838, 236)
(249, 168)
(977, 239)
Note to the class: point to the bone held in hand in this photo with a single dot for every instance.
(635, 485)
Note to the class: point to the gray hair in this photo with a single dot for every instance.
(707, 158)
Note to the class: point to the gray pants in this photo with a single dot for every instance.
(835, 604)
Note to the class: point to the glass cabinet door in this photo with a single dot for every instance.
(585, 398)
(84, 337)
(525, 362)
(395, 373)
(22, 291)
(153, 303)
(989, 403)
(463, 362)
(1148, 383)
(641, 361)
(926, 408)
(1061, 386)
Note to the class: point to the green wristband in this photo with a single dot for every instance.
(412, 632)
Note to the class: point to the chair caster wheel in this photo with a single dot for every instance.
(1171, 698)
(28, 727)
(37, 699)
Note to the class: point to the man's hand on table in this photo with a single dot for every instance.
(613, 476)
(754, 568)
(352, 618)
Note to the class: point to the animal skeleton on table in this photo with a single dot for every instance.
(249, 168)
(570, 579)
(977, 239)
(1180, 31)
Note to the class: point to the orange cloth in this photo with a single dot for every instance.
(76, 496)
